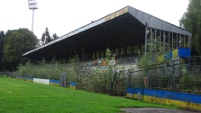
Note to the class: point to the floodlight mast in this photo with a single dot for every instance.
(33, 5)
(32, 21)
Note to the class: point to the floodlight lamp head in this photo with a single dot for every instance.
(32, 4)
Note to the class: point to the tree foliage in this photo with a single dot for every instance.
(54, 36)
(191, 21)
(2, 35)
(16, 43)
(46, 38)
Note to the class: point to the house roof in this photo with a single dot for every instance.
(122, 28)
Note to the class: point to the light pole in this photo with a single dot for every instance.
(33, 5)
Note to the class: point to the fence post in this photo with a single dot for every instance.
(111, 90)
(129, 79)
(63, 79)
(145, 82)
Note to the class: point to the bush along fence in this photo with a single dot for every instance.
(173, 84)
(76, 76)
(100, 78)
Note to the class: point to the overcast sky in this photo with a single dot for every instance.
(63, 16)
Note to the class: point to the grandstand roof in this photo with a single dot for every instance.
(121, 28)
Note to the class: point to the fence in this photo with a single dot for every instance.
(173, 83)
(178, 76)
(2, 73)
(8, 74)
(175, 76)
(102, 81)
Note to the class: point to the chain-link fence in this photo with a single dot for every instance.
(102, 81)
(179, 75)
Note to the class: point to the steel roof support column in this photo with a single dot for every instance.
(155, 33)
(189, 42)
(184, 39)
(151, 36)
(145, 43)
(172, 40)
(169, 39)
(177, 40)
(180, 40)
(160, 39)
(164, 37)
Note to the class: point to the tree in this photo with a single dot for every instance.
(54, 36)
(1, 48)
(46, 38)
(191, 21)
(18, 42)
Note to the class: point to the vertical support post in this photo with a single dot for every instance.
(172, 41)
(112, 84)
(112, 73)
(129, 80)
(160, 38)
(180, 38)
(111, 88)
(151, 30)
(155, 33)
(164, 37)
(184, 38)
(32, 20)
(169, 39)
(145, 44)
(63, 79)
(176, 40)
(145, 82)
(189, 42)
(173, 84)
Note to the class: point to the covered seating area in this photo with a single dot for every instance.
(124, 32)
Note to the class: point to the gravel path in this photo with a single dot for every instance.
(153, 110)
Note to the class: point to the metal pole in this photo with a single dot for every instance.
(164, 38)
(169, 38)
(145, 40)
(172, 41)
(155, 36)
(160, 39)
(32, 20)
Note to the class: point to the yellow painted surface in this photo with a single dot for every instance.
(116, 14)
(173, 102)
(135, 96)
(130, 95)
(54, 84)
(21, 79)
(72, 87)
(175, 53)
(170, 102)
(29, 80)
(160, 58)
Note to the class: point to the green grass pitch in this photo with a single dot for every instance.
(17, 96)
